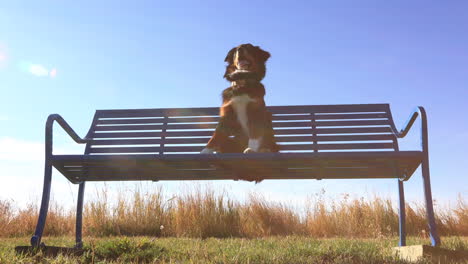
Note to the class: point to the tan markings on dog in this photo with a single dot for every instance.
(236, 59)
(222, 109)
(239, 83)
(239, 103)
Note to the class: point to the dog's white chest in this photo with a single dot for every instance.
(239, 103)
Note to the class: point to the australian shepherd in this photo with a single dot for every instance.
(245, 125)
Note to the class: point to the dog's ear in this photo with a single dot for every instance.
(230, 60)
(230, 56)
(263, 55)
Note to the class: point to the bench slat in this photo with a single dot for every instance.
(187, 133)
(353, 130)
(130, 121)
(214, 111)
(278, 139)
(134, 128)
(127, 150)
(357, 108)
(157, 127)
(367, 130)
(153, 134)
(350, 116)
(215, 119)
(298, 117)
(205, 119)
(158, 120)
(150, 141)
(282, 147)
(352, 123)
(126, 113)
(193, 126)
(353, 137)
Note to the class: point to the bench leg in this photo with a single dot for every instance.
(435, 239)
(36, 238)
(79, 216)
(402, 214)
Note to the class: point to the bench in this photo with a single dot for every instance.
(316, 142)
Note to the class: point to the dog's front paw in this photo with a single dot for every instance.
(207, 151)
(249, 150)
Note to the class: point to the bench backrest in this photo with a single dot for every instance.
(312, 128)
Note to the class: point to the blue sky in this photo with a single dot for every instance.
(73, 57)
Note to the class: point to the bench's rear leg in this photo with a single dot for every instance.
(402, 214)
(79, 216)
(435, 239)
(36, 238)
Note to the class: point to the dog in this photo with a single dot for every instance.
(245, 125)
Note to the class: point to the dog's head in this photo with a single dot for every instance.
(248, 59)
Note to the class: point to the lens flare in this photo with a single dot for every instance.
(3, 57)
(53, 73)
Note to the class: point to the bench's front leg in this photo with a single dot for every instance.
(401, 214)
(79, 216)
(36, 238)
(435, 239)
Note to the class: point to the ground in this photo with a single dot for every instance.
(227, 250)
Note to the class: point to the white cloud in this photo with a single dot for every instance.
(13, 149)
(20, 150)
(38, 70)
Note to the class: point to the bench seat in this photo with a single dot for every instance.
(254, 166)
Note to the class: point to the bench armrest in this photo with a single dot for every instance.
(49, 132)
(418, 111)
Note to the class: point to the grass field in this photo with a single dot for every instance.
(204, 226)
(203, 213)
(290, 249)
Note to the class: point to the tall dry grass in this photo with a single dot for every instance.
(206, 213)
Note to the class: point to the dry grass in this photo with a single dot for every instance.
(206, 213)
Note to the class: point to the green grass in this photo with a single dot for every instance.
(272, 250)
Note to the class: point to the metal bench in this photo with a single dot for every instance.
(316, 142)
